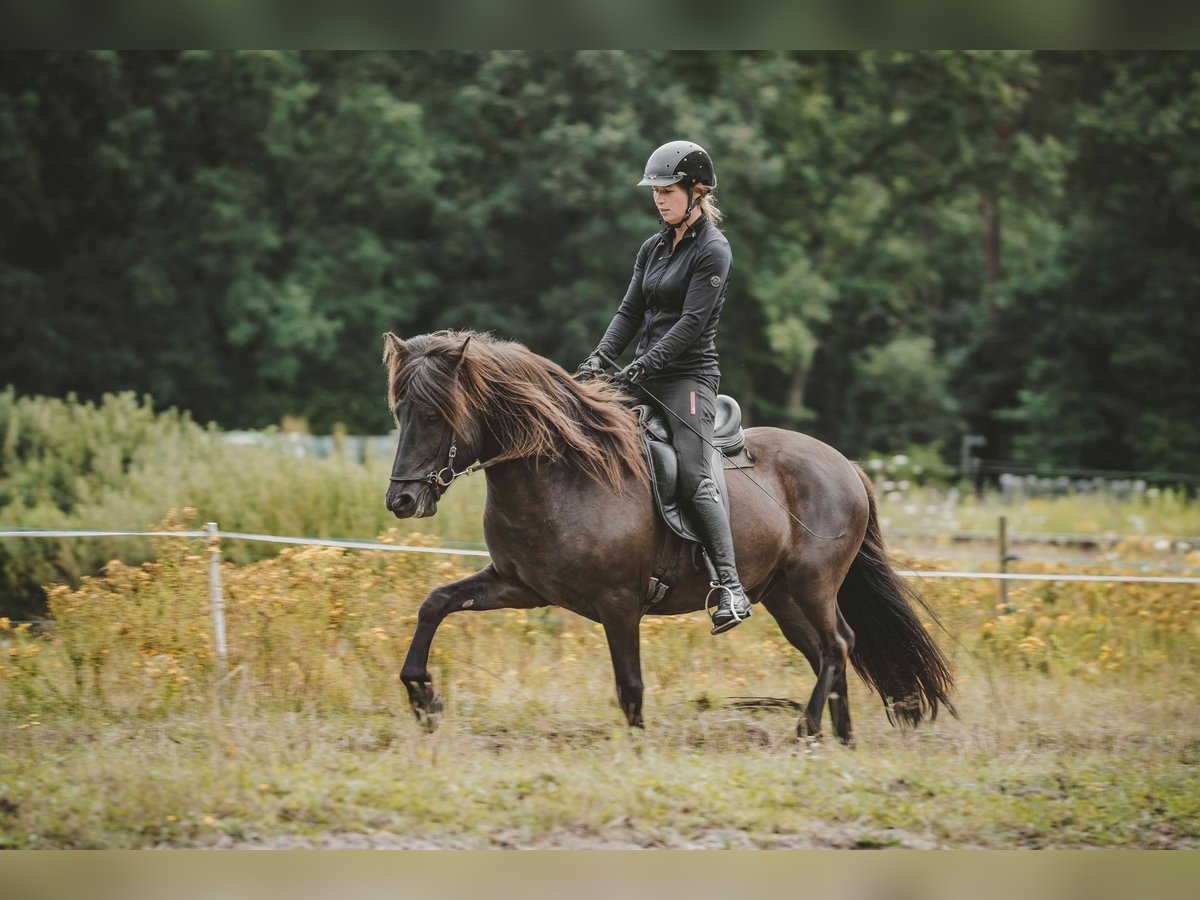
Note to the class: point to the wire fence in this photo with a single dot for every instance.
(217, 600)
(1104, 539)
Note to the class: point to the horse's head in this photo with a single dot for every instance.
(461, 396)
(437, 435)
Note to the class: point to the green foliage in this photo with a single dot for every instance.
(905, 389)
(1113, 339)
(925, 241)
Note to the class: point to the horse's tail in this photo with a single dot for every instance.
(893, 652)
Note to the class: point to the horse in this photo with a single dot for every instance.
(569, 522)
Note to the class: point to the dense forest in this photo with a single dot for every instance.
(927, 244)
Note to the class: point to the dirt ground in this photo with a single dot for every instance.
(835, 838)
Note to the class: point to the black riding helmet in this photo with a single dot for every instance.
(679, 161)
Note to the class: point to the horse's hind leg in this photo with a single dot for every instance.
(792, 623)
(486, 589)
(839, 697)
(801, 635)
(817, 601)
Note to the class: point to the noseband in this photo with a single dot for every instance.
(445, 476)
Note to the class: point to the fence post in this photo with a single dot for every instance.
(1005, 558)
(216, 595)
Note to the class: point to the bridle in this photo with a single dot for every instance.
(445, 476)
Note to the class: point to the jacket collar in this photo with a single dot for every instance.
(667, 231)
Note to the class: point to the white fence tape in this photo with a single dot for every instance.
(349, 545)
(65, 532)
(1037, 537)
(1031, 576)
(450, 551)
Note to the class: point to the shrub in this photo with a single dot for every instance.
(120, 465)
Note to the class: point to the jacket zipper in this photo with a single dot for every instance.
(644, 342)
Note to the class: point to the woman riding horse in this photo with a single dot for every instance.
(568, 518)
(678, 287)
(569, 522)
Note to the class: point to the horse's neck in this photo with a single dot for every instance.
(534, 491)
(523, 480)
(528, 487)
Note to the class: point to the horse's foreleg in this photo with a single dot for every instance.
(622, 631)
(486, 589)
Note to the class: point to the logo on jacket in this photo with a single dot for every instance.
(715, 281)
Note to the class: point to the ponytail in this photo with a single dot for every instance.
(708, 205)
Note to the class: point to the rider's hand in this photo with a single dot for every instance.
(632, 374)
(589, 368)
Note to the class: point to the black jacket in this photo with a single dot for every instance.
(678, 298)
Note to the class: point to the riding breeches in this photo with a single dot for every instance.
(689, 406)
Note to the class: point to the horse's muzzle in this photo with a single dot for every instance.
(412, 503)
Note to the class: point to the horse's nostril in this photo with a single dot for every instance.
(402, 505)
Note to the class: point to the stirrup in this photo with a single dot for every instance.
(737, 619)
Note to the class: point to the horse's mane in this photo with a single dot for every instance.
(533, 408)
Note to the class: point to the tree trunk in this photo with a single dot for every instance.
(795, 396)
(989, 213)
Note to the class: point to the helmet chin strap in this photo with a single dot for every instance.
(687, 213)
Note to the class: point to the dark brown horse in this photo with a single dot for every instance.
(569, 522)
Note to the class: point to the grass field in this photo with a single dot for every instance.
(1080, 723)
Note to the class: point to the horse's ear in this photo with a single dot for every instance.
(462, 354)
(393, 347)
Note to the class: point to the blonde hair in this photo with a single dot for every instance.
(708, 204)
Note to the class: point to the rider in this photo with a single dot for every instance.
(678, 287)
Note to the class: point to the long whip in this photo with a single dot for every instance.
(712, 446)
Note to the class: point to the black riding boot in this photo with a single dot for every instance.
(708, 517)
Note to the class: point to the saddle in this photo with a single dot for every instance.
(729, 440)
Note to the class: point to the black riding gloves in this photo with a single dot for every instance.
(593, 366)
(632, 374)
(589, 368)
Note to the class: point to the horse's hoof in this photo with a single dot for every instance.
(426, 705)
(811, 746)
(431, 716)
(811, 740)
